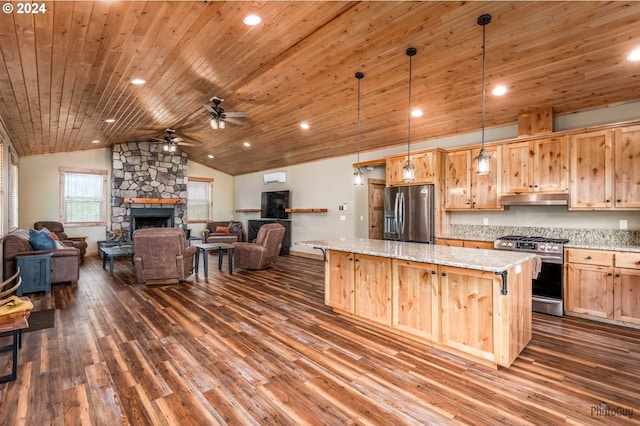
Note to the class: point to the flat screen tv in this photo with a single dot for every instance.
(273, 205)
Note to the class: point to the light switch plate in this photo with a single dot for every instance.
(624, 224)
(485, 220)
(343, 217)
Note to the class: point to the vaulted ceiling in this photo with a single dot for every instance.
(65, 71)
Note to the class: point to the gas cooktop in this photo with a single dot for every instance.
(531, 244)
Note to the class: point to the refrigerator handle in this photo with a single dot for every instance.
(402, 212)
(396, 211)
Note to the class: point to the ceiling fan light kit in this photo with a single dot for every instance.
(408, 171)
(219, 116)
(483, 159)
(358, 175)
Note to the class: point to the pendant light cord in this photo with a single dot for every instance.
(357, 76)
(483, 81)
(409, 115)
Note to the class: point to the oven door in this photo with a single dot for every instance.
(547, 288)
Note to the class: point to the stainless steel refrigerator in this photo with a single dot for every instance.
(408, 213)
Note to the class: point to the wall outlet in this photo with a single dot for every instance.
(624, 224)
(343, 217)
(485, 220)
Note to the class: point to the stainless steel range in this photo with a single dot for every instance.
(547, 285)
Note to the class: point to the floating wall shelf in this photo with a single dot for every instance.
(154, 200)
(248, 211)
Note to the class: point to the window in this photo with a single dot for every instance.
(199, 201)
(13, 193)
(83, 196)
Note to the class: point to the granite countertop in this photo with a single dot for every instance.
(602, 246)
(470, 258)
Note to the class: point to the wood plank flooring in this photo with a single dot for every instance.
(257, 348)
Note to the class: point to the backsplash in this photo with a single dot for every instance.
(583, 236)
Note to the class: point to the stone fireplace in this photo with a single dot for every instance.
(143, 176)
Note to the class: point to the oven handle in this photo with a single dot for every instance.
(551, 259)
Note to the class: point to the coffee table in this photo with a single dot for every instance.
(206, 248)
(122, 250)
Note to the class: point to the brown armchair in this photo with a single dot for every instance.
(58, 229)
(263, 252)
(235, 232)
(162, 254)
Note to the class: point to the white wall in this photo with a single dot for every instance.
(328, 183)
(39, 187)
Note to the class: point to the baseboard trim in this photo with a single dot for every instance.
(307, 255)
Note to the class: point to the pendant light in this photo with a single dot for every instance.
(484, 158)
(357, 175)
(408, 171)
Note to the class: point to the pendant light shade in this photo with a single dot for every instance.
(408, 171)
(483, 159)
(358, 175)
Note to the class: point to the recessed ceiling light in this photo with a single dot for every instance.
(252, 20)
(304, 126)
(246, 143)
(499, 90)
(634, 56)
(138, 81)
(416, 113)
(95, 141)
(210, 156)
(110, 120)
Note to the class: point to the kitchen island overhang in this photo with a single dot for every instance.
(471, 302)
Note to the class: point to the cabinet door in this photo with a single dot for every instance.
(339, 280)
(458, 180)
(591, 183)
(485, 189)
(626, 293)
(550, 165)
(589, 290)
(468, 321)
(416, 299)
(517, 163)
(373, 288)
(425, 170)
(626, 159)
(394, 170)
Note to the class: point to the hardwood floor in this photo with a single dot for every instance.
(261, 348)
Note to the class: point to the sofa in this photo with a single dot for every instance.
(65, 262)
(225, 231)
(58, 229)
(162, 255)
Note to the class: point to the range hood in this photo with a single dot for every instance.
(535, 199)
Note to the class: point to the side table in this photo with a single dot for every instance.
(13, 323)
(204, 250)
(35, 271)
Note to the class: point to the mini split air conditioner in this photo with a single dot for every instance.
(279, 177)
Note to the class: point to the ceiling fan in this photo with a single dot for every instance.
(219, 116)
(170, 143)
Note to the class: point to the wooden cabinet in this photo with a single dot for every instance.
(464, 188)
(359, 284)
(603, 284)
(416, 298)
(428, 166)
(487, 245)
(535, 166)
(604, 169)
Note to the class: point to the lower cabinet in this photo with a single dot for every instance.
(603, 285)
(339, 279)
(416, 299)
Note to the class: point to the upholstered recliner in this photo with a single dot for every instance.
(58, 229)
(223, 232)
(263, 252)
(162, 254)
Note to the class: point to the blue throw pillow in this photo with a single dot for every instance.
(40, 240)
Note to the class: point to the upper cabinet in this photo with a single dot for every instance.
(464, 188)
(427, 166)
(535, 166)
(604, 169)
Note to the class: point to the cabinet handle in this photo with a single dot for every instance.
(530, 186)
(609, 274)
(350, 259)
(617, 275)
(444, 274)
(608, 201)
(433, 272)
(588, 257)
(535, 186)
(357, 260)
(618, 201)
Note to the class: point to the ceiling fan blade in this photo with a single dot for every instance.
(185, 144)
(235, 114)
(208, 108)
(157, 139)
(232, 121)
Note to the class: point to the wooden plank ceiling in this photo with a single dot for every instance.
(65, 71)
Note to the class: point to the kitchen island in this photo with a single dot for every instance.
(471, 302)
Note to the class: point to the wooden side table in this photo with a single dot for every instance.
(35, 271)
(13, 323)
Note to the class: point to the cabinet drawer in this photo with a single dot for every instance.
(628, 260)
(590, 257)
(486, 245)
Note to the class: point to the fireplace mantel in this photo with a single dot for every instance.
(154, 200)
